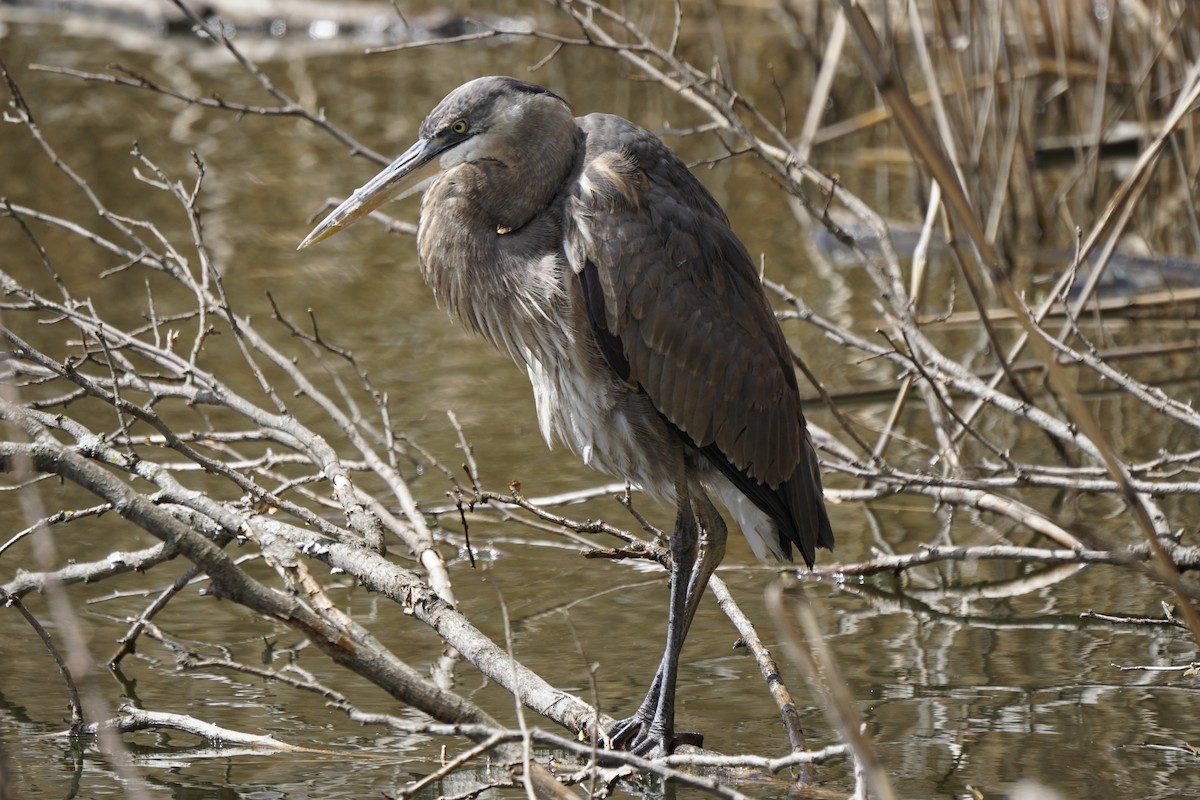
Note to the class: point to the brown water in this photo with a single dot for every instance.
(959, 689)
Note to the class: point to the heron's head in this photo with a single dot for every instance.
(488, 119)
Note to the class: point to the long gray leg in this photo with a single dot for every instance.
(652, 726)
(715, 537)
(651, 730)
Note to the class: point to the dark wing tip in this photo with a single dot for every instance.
(797, 506)
(807, 523)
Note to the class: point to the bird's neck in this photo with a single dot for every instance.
(507, 190)
(490, 237)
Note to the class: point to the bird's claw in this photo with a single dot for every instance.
(643, 738)
(626, 731)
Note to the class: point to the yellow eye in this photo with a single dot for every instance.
(459, 126)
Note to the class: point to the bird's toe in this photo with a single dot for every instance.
(652, 744)
(625, 733)
(644, 738)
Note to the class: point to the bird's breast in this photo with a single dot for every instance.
(584, 404)
(517, 289)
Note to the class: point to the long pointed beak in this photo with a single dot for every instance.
(403, 176)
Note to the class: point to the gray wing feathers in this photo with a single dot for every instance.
(684, 298)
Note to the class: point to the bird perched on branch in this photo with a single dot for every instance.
(585, 249)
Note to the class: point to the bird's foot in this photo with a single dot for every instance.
(625, 732)
(646, 738)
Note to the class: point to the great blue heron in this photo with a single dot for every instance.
(585, 249)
